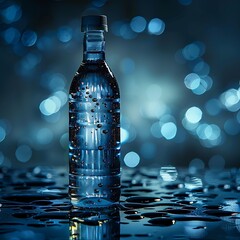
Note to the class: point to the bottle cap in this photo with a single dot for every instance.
(94, 22)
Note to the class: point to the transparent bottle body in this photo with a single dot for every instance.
(94, 137)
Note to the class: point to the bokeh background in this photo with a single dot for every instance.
(177, 63)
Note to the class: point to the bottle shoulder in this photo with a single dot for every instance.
(95, 75)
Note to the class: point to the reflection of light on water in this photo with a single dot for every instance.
(195, 229)
(168, 173)
(193, 183)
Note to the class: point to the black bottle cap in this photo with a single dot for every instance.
(94, 22)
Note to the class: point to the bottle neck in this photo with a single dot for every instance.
(94, 46)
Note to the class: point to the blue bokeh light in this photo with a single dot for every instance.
(131, 159)
(169, 130)
(124, 135)
(44, 136)
(64, 34)
(12, 13)
(23, 153)
(11, 35)
(138, 24)
(192, 81)
(193, 114)
(156, 26)
(29, 38)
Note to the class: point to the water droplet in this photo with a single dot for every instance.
(162, 221)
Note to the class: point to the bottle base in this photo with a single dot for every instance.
(93, 203)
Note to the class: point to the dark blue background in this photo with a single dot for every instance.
(152, 47)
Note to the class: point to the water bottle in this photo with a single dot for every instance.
(94, 124)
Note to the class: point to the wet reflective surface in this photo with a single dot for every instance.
(205, 205)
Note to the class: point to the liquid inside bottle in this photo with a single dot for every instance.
(94, 126)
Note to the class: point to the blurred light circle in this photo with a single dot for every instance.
(48, 107)
(213, 107)
(156, 26)
(44, 136)
(64, 140)
(23, 153)
(12, 13)
(11, 35)
(138, 24)
(64, 34)
(131, 159)
(2, 134)
(62, 96)
(124, 135)
(202, 88)
(189, 126)
(207, 82)
(191, 51)
(126, 32)
(156, 130)
(201, 68)
(216, 162)
(169, 130)
(231, 99)
(53, 81)
(201, 131)
(232, 127)
(193, 115)
(192, 81)
(195, 165)
(29, 38)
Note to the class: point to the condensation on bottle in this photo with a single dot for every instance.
(94, 124)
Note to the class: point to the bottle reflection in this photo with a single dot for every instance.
(94, 224)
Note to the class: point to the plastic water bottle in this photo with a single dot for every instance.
(94, 124)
